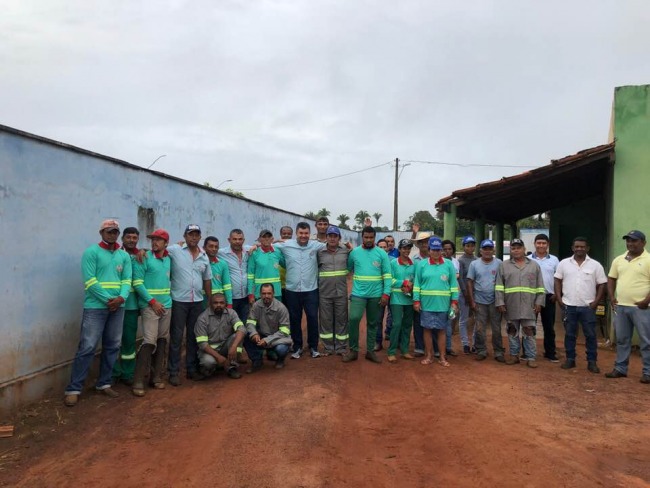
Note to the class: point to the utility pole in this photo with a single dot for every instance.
(395, 227)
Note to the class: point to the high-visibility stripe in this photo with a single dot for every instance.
(416, 288)
(285, 329)
(138, 282)
(127, 356)
(240, 349)
(329, 274)
(396, 290)
(213, 346)
(367, 278)
(342, 337)
(326, 336)
(238, 324)
(125, 282)
(436, 293)
(202, 339)
(261, 281)
(251, 276)
(109, 286)
(217, 290)
(159, 291)
(387, 276)
(90, 282)
(499, 288)
(227, 287)
(524, 289)
(251, 321)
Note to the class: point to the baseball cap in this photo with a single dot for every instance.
(109, 224)
(469, 240)
(516, 242)
(332, 229)
(435, 243)
(192, 228)
(161, 233)
(488, 243)
(404, 243)
(635, 234)
(265, 232)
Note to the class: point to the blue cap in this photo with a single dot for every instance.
(469, 240)
(192, 228)
(487, 243)
(435, 243)
(635, 235)
(332, 229)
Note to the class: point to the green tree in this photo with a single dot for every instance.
(541, 221)
(359, 218)
(311, 215)
(377, 216)
(426, 221)
(323, 212)
(343, 221)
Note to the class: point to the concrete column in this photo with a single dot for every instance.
(479, 232)
(450, 223)
(497, 237)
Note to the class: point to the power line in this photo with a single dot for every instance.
(316, 181)
(468, 165)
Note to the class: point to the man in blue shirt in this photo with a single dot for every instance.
(548, 263)
(191, 276)
(300, 255)
(236, 257)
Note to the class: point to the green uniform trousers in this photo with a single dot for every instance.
(357, 307)
(125, 364)
(400, 334)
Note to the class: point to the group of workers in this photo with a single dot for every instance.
(220, 301)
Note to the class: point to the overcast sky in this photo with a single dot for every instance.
(268, 93)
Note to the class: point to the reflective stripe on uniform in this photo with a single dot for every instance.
(127, 356)
(367, 278)
(202, 339)
(342, 337)
(285, 329)
(329, 274)
(261, 281)
(524, 289)
(326, 336)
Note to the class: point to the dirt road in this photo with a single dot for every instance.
(321, 423)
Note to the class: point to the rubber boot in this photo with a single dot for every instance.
(158, 365)
(142, 366)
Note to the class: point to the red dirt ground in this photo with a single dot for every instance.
(321, 423)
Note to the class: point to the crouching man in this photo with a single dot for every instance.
(268, 330)
(219, 333)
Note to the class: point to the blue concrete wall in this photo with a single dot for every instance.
(52, 199)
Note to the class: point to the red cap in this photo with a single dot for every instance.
(161, 233)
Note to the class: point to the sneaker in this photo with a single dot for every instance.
(645, 379)
(109, 392)
(234, 374)
(568, 364)
(297, 353)
(436, 354)
(195, 376)
(418, 354)
(531, 364)
(472, 350)
(615, 373)
(553, 359)
(315, 353)
(500, 359)
(593, 367)
(466, 350)
(174, 380)
(70, 400)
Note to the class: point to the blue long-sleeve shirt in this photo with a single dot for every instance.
(302, 264)
(188, 274)
(238, 270)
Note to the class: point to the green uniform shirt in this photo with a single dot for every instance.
(264, 267)
(401, 272)
(132, 301)
(435, 285)
(221, 279)
(151, 280)
(106, 275)
(371, 272)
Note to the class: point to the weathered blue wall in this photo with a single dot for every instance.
(52, 199)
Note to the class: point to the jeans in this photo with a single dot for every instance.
(587, 317)
(241, 307)
(548, 322)
(483, 315)
(530, 346)
(297, 301)
(256, 352)
(463, 316)
(184, 315)
(625, 320)
(96, 324)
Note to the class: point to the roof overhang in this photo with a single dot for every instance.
(563, 181)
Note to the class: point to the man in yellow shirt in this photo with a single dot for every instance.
(628, 287)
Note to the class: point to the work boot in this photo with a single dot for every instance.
(512, 360)
(569, 363)
(615, 373)
(71, 400)
(372, 356)
(593, 367)
(142, 367)
(350, 356)
(157, 365)
(531, 364)
(233, 373)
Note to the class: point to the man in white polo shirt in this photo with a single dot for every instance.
(579, 287)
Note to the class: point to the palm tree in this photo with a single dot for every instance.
(377, 216)
(360, 217)
(343, 221)
(323, 212)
